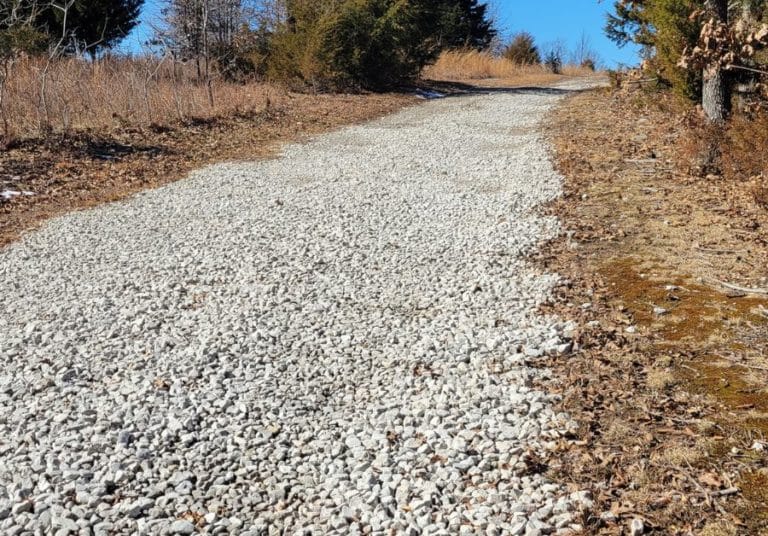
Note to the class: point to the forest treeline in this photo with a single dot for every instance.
(322, 43)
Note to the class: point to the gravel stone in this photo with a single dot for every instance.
(308, 365)
(181, 526)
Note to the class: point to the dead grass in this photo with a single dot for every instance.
(671, 403)
(76, 94)
(660, 379)
(477, 66)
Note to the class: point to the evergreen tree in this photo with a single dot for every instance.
(464, 23)
(665, 29)
(629, 24)
(90, 25)
(372, 43)
(694, 64)
(522, 50)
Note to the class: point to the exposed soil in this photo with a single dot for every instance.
(666, 274)
(83, 169)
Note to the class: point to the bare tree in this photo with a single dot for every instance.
(553, 55)
(205, 31)
(584, 55)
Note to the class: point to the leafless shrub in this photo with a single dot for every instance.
(116, 91)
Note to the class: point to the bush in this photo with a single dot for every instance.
(522, 50)
(554, 63)
(371, 44)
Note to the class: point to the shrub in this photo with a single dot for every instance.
(554, 63)
(372, 44)
(522, 50)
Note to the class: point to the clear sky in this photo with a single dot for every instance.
(550, 20)
(547, 20)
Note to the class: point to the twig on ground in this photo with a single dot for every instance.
(738, 288)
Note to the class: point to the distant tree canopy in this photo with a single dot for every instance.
(324, 44)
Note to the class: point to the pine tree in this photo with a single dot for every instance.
(372, 43)
(522, 50)
(90, 25)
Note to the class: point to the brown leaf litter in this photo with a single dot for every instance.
(663, 278)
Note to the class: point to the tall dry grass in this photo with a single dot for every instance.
(458, 65)
(71, 94)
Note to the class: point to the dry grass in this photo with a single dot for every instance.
(38, 97)
(720, 528)
(660, 379)
(472, 65)
(75, 94)
(672, 409)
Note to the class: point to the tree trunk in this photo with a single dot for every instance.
(716, 93)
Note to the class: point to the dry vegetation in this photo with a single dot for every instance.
(483, 66)
(78, 133)
(75, 94)
(669, 379)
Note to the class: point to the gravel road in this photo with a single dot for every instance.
(335, 341)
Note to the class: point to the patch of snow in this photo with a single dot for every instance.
(10, 194)
(429, 94)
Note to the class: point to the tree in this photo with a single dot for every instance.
(716, 91)
(693, 44)
(371, 43)
(584, 55)
(554, 55)
(91, 25)
(522, 50)
(464, 23)
(18, 32)
(629, 24)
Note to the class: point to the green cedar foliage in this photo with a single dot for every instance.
(664, 28)
(522, 50)
(91, 25)
(333, 44)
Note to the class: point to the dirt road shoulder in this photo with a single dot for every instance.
(665, 278)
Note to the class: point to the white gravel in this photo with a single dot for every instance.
(335, 341)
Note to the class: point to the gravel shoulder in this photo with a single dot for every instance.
(339, 340)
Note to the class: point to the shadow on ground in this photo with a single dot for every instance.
(458, 89)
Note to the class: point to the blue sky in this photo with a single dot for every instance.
(550, 20)
(547, 20)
